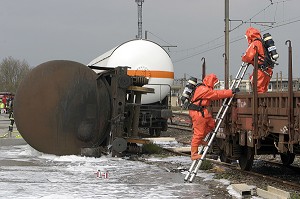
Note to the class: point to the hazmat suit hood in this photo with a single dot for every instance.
(210, 80)
(252, 34)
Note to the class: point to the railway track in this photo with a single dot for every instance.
(180, 121)
(284, 174)
(270, 178)
(179, 127)
(291, 179)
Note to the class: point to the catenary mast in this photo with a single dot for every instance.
(226, 79)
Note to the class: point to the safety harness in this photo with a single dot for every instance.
(195, 107)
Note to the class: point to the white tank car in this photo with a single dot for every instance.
(145, 58)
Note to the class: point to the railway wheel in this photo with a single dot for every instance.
(224, 158)
(246, 158)
(287, 158)
(157, 132)
(164, 126)
(151, 132)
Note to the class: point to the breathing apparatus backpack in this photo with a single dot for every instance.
(271, 55)
(188, 92)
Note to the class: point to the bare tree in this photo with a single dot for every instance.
(12, 71)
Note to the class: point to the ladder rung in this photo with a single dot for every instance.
(220, 116)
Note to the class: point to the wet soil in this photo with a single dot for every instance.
(234, 176)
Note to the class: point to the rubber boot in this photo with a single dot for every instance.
(194, 153)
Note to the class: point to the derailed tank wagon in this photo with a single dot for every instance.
(64, 107)
(147, 59)
(259, 124)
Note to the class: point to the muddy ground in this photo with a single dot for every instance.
(223, 172)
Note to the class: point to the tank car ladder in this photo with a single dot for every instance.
(219, 119)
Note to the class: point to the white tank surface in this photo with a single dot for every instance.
(145, 58)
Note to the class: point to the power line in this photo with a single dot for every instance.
(207, 43)
(236, 40)
(159, 37)
(287, 23)
(242, 23)
(192, 48)
(200, 45)
(199, 53)
(239, 38)
(250, 19)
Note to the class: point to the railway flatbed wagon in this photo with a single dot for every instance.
(258, 124)
(270, 126)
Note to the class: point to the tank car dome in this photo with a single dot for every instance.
(145, 58)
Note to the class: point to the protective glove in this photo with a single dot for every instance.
(235, 90)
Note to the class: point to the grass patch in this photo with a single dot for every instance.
(206, 165)
(222, 176)
(151, 149)
(295, 196)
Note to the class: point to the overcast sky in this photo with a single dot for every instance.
(79, 30)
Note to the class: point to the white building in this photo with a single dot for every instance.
(276, 85)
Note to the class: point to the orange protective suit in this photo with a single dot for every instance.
(263, 77)
(202, 125)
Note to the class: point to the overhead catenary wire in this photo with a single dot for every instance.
(193, 55)
(207, 43)
(158, 37)
(235, 40)
(259, 12)
(219, 45)
(217, 38)
(200, 45)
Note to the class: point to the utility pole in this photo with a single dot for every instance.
(140, 31)
(226, 44)
(281, 87)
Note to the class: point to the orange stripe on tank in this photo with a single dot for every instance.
(151, 73)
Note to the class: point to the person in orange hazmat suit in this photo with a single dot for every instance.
(264, 73)
(203, 123)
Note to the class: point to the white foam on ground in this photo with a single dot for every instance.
(32, 174)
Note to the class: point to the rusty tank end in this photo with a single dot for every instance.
(62, 107)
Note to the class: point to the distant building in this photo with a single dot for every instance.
(245, 86)
(276, 85)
